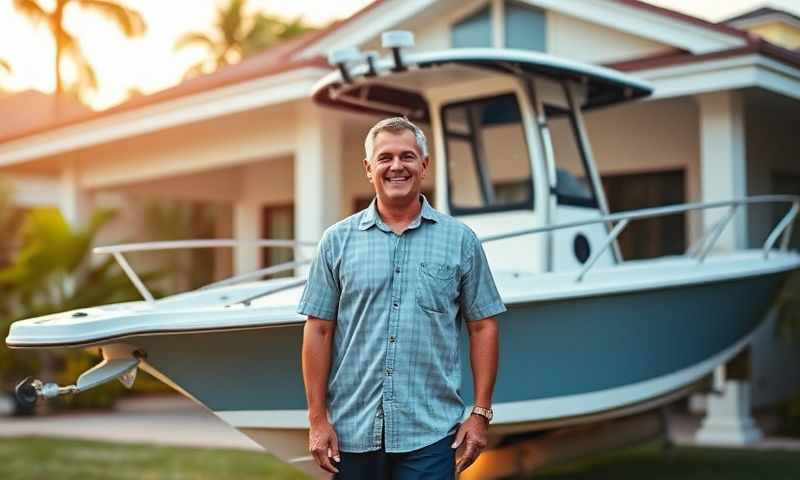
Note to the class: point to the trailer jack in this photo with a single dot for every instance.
(124, 368)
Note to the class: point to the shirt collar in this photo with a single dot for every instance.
(370, 216)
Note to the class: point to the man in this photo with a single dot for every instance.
(384, 299)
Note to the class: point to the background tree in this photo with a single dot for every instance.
(129, 21)
(237, 35)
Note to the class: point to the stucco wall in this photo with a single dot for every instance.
(33, 190)
(579, 40)
(223, 142)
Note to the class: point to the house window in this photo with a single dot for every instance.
(278, 224)
(473, 31)
(487, 156)
(525, 27)
(783, 183)
(649, 237)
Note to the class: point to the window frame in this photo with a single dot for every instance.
(569, 200)
(529, 202)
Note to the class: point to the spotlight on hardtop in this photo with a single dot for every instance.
(341, 58)
(397, 40)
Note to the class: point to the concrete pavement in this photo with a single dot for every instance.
(165, 420)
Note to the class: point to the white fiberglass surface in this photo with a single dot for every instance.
(182, 314)
(520, 287)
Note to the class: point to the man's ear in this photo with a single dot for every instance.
(425, 163)
(368, 168)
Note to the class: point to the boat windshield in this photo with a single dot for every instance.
(572, 183)
(487, 156)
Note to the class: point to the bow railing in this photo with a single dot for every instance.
(700, 249)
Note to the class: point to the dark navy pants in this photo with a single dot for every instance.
(434, 462)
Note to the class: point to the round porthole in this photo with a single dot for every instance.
(581, 247)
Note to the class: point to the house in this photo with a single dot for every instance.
(721, 124)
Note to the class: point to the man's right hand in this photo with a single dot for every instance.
(324, 445)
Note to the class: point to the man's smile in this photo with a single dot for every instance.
(398, 179)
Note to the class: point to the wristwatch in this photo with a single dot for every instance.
(483, 412)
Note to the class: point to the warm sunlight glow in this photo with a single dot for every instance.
(150, 63)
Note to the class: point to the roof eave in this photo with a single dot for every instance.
(274, 89)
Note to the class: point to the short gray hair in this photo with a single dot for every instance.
(395, 125)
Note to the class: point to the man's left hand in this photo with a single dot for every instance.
(473, 433)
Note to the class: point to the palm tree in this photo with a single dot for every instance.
(237, 35)
(129, 21)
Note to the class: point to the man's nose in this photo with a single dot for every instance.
(396, 163)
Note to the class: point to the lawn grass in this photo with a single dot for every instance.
(651, 462)
(35, 458)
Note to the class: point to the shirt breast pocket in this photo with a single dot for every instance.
(437, 286)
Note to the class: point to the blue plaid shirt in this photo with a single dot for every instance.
(398, 301)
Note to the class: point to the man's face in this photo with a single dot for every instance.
(396, 168)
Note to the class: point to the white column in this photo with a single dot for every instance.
(723, 165)
(318, 173)
(247, 227)
(74, 202)
(728, 420)
(223, 257)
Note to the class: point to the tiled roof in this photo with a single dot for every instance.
(755, 45)
(30, 109)
(762, 12)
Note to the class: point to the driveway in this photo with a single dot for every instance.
(167, 420)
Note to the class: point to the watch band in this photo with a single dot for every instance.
(483, 412)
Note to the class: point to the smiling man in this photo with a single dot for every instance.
(385, 299)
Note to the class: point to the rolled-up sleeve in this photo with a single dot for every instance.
(321, 295)
(479, 296)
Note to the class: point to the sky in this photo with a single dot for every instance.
(150, 63)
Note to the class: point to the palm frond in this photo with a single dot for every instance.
(128, 20)
(31, 10)
(230, 22)
(194, 38)
(4, 65)
(293, 28)
(87, 79)
(261, 35)
(195, 70)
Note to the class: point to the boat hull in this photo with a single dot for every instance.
(562, 362)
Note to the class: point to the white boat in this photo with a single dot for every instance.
(587, 335)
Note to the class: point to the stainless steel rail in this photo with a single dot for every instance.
(118, 250)
(707, 241)
(700, 250)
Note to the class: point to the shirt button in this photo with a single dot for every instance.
(389, 372)
(396, 305)
(391, 339)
